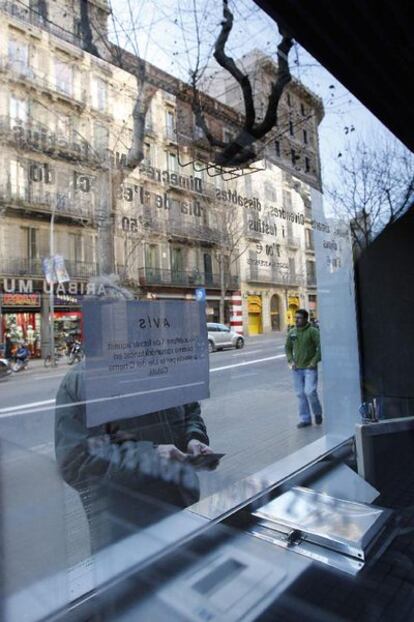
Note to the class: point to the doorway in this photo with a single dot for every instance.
(275, 312)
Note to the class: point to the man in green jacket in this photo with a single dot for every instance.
(303, 352)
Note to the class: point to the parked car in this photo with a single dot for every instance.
(221, 336)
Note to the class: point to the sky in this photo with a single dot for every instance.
(175, 34)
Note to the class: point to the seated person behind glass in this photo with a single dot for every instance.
(23, 352)
(129, 472)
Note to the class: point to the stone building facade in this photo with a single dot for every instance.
(66, 129)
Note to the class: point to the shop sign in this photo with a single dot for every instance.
(66, 301)
(143, 356)
(73, 288)
(21, 300)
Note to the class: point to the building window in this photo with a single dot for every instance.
(170, 124)
(148, 119)
(287, 199)
(307, 164)
(18, 180)
(18, 110)
(147, 154)
(309, 239)
(75, 247)
(310, 273)
(19, 56)
(152, 256)
(63, 125)
(305, 137)
(100, 94)
(291, 130)
(294, 156)
(248, 184)
(270, 192)
(302, 110)
(228, 136)
(31, 242)
(288, 99)
(277, 148)
(172, 163)
(101, 139)
(63, 77)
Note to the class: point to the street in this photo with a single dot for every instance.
(250, 416)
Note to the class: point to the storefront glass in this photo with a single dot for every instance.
(135, 209)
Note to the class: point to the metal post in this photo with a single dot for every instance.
(51, 290)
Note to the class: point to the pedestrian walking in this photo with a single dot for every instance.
(303, 354)
(7, 347)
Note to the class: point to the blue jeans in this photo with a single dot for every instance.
(305, 382)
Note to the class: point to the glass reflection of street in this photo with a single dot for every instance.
(251, 394)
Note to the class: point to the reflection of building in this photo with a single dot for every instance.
(65, 130)
(278, 266)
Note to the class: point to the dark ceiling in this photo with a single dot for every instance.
(366, 44)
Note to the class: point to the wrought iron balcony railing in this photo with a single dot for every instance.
(22, 72)
(182, 228)
(170, 133)
(77, 207)
(31, 16)
(276, 277)
(33, 135)
(32, 267)
(293, 241)
(185, 278)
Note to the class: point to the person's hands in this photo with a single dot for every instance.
(197, 448)
(170, 452)
(292, 366)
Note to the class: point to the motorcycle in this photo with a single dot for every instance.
(76, 353)
(5, 370)
(21, 359)
(20, 363)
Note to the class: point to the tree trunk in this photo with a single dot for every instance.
(105, 243)
(222, 289)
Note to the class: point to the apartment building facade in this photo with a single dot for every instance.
(277, 270)
(66, 128)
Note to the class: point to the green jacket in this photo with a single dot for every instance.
(303, 347)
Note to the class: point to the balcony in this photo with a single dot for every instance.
(25, 267)
(151, 277)
(41, 201)
(180, 228)
(253, 235)
(275, 277)
(25, 14)
(149, 129)
(26, 75)
(36, 137)
(170, 134)
(293, 241)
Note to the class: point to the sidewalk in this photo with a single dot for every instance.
(38, 366)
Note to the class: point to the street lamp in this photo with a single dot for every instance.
(51, 274)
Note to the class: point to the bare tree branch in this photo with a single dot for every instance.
(376, 187)
(240, 150)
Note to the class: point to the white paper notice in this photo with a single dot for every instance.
(143, 356)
